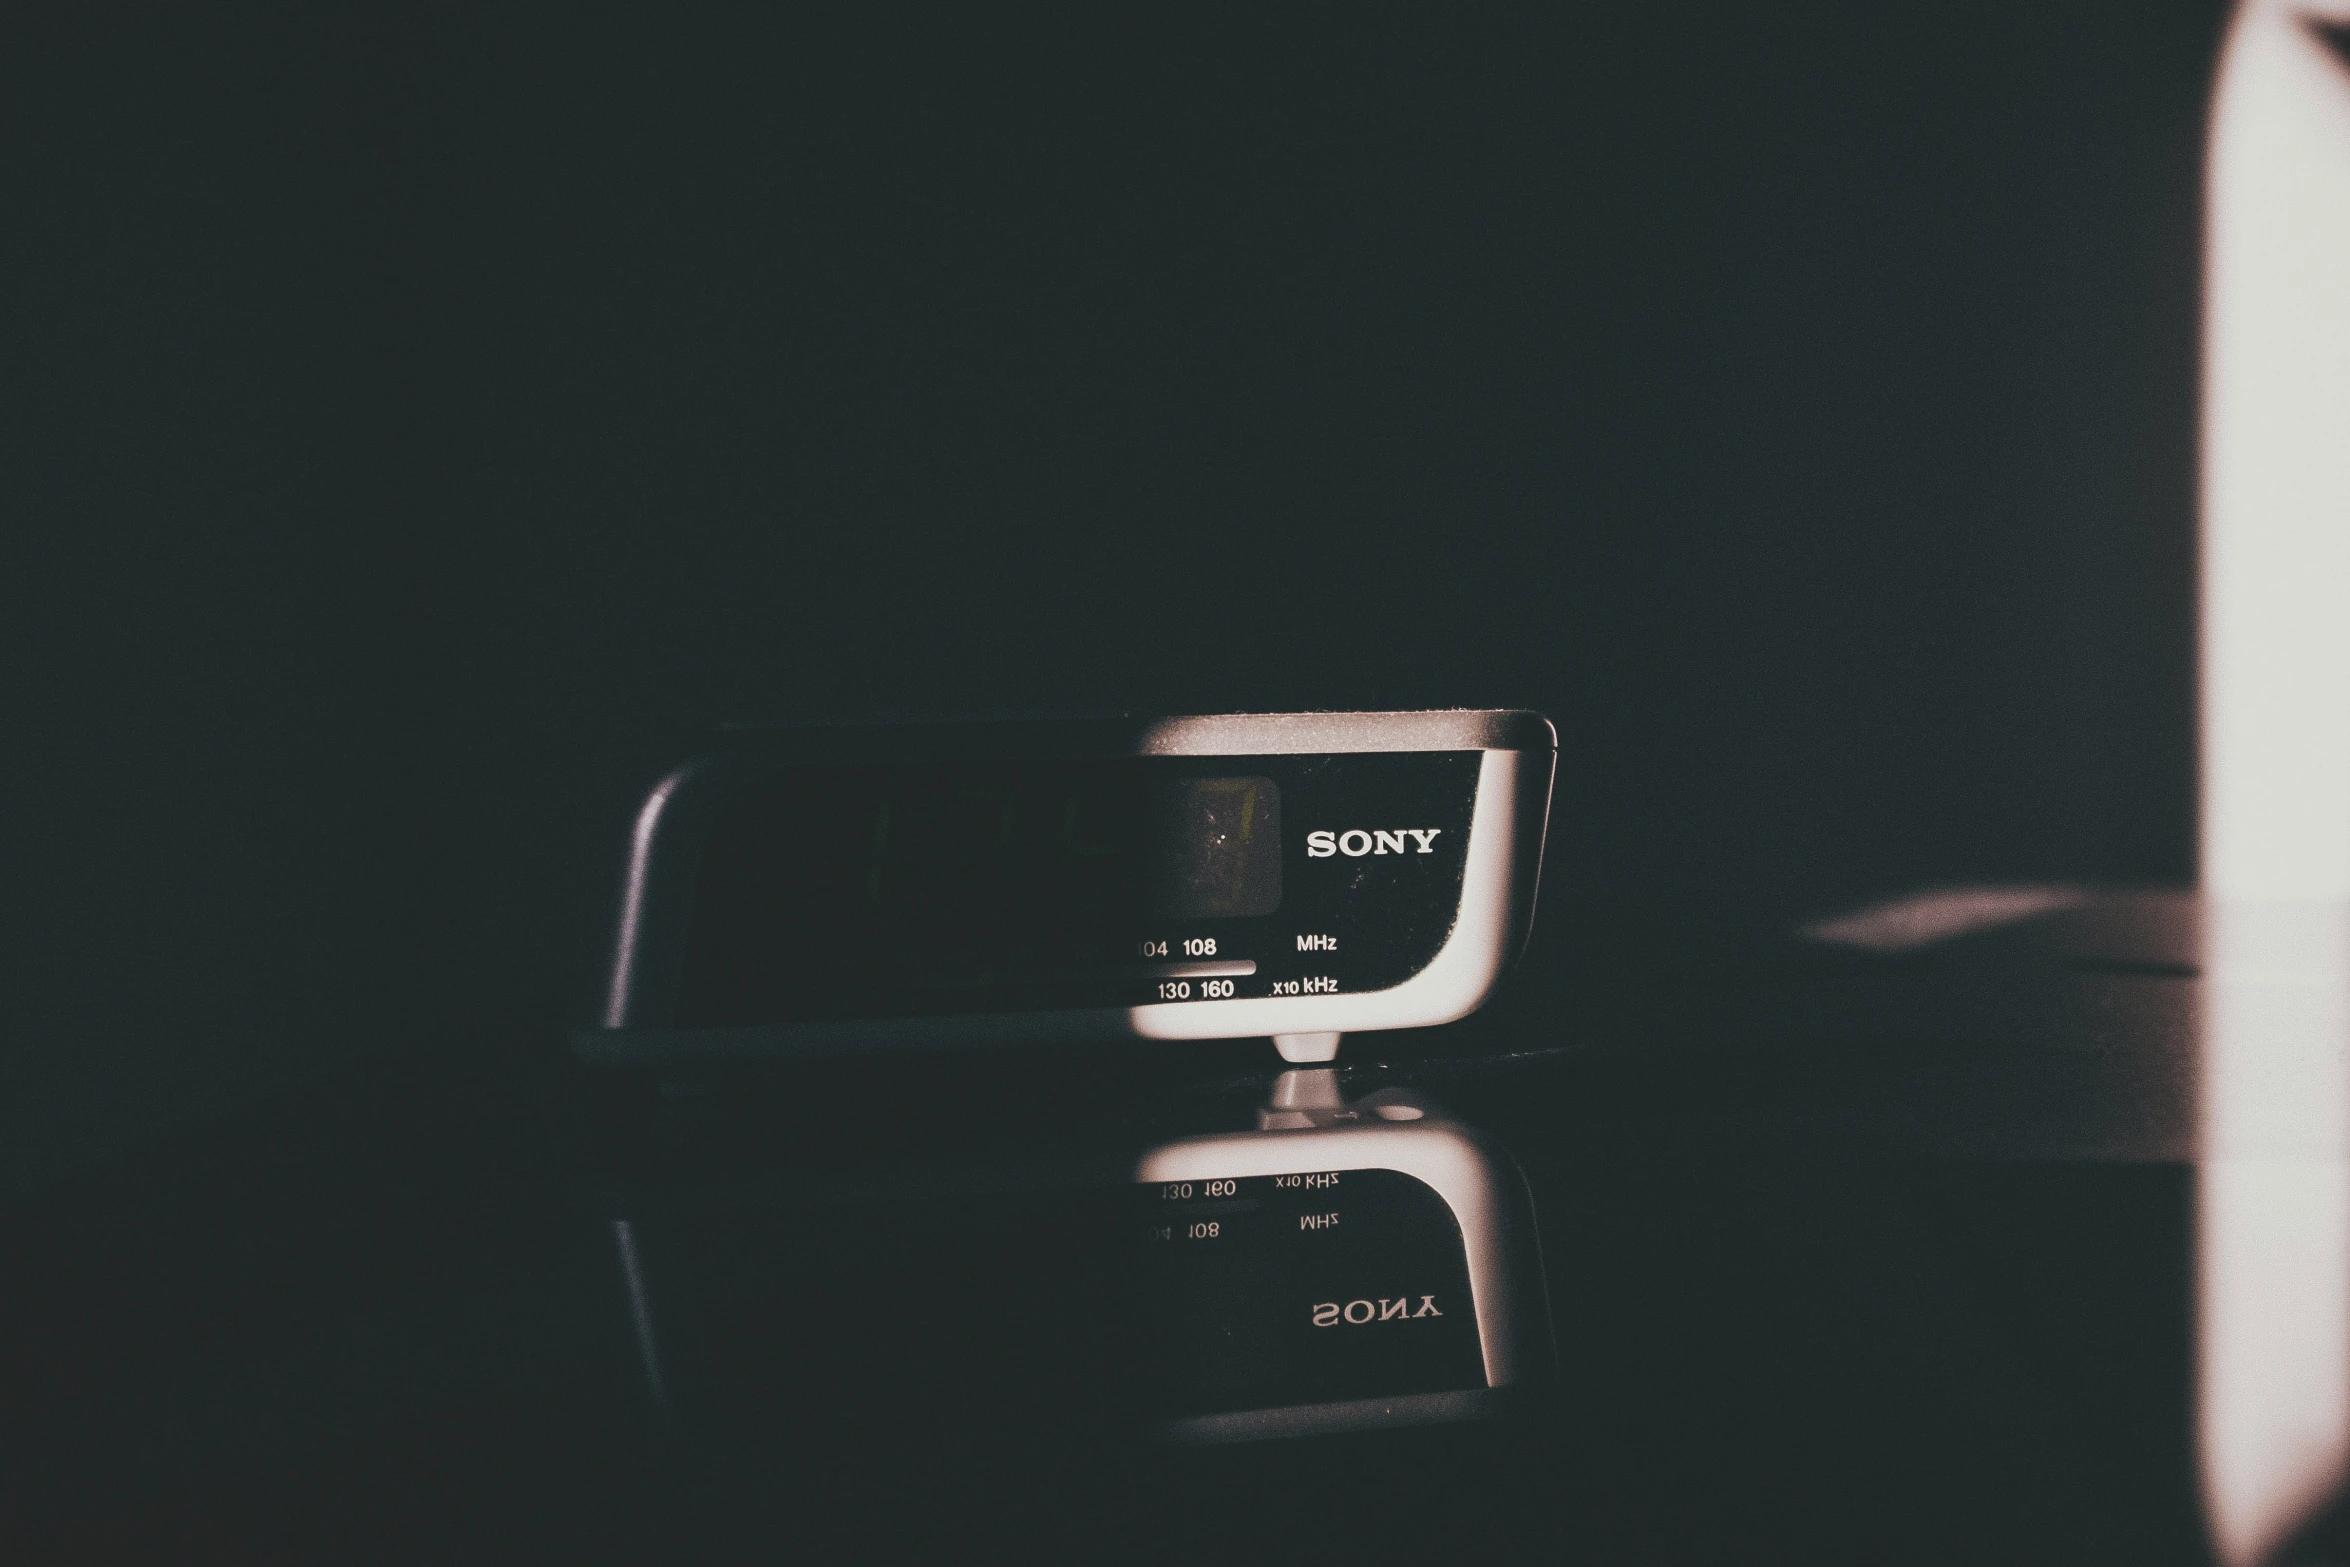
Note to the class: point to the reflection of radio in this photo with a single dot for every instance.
(1346, 1266)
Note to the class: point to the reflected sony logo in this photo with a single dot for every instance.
(1356, 843)
(1330, 1313)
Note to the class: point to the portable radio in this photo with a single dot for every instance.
(1297, 876)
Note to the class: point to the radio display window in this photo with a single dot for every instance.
(851, 890)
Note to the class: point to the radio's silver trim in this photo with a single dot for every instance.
(628, 948)
(1334, 734)
(1442, 1154)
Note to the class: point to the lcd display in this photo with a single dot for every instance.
(1216, 848)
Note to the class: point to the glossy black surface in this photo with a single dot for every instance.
(1858, 1258)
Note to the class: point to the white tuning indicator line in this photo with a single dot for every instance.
(1236, 967)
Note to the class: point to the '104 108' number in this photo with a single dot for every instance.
(1193, 947)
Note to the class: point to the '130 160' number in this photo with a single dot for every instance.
(1180, 989)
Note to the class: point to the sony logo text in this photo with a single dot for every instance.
(1355, 843)
(1330, 1313)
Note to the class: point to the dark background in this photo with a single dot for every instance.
(419, 426)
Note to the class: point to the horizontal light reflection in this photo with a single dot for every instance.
(1921, 919)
